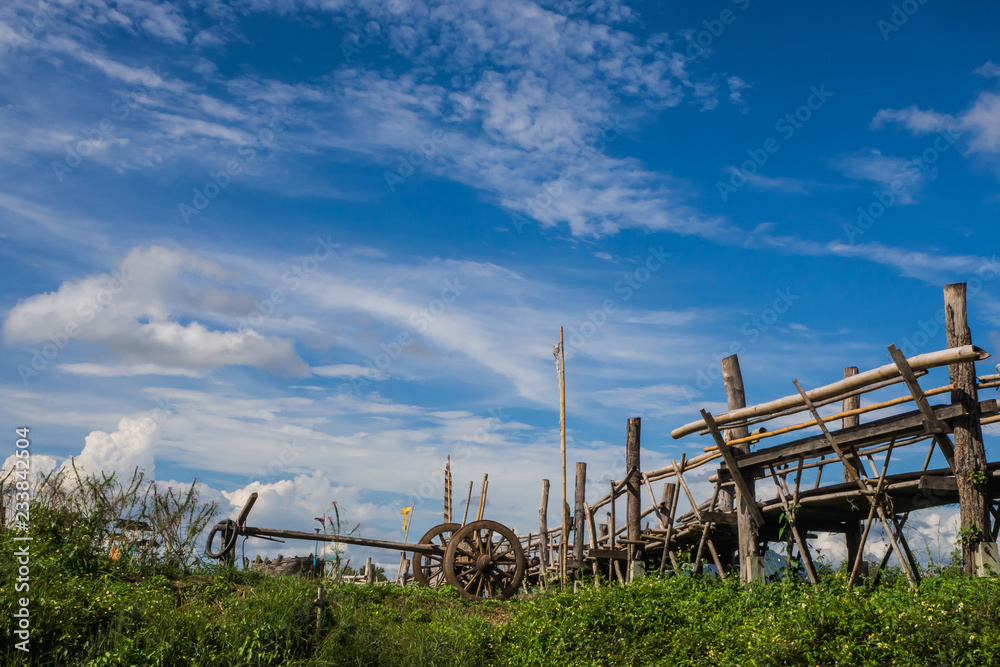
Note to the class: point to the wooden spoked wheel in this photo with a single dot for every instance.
(428, 569)
(485, 560)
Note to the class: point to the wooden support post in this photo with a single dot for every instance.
(697, 513)
(579, 500)
(369, 571)
(970, 457)
(468, 501)
(859, 553)
(482, 499)
(790, 512)
(591, 527)
(543, 527)
(852, 532)
(633, 507)
(612, 523)
(671, 491)
(732, 378)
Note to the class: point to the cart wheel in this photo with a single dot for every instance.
(485, 560)
(428, 569)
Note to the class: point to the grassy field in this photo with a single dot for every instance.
(114, 616)
(88, 608)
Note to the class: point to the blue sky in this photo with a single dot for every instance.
(312, 248)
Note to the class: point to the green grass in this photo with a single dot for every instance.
(114, 616)
(89, 609)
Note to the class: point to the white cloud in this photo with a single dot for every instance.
(133, 312)
(913, 119)
(122, 450)
(980, 122)
(898, 174)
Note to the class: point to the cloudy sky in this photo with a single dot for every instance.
(311, 248)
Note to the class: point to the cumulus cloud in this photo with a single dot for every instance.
(123, 450)
(134, 313)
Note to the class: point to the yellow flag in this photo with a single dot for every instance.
(406, 515)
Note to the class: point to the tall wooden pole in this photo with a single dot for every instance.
(852, 534)
(749, 536)
(562, 429)
(970, 457)
(633, 504)
(580, 498)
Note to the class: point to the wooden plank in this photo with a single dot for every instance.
(727, 518)
(936, 483)
(965, 353)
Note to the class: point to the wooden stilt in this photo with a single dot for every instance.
(858, 480)
(970, 456)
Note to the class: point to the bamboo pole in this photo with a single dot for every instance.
(579, 501)
(845, 415)
(447, 490)
(406, 537)
(960, 354)
(562, 432)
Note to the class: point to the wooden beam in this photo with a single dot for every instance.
(932, 425)
(742, 488)
(790, 513)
